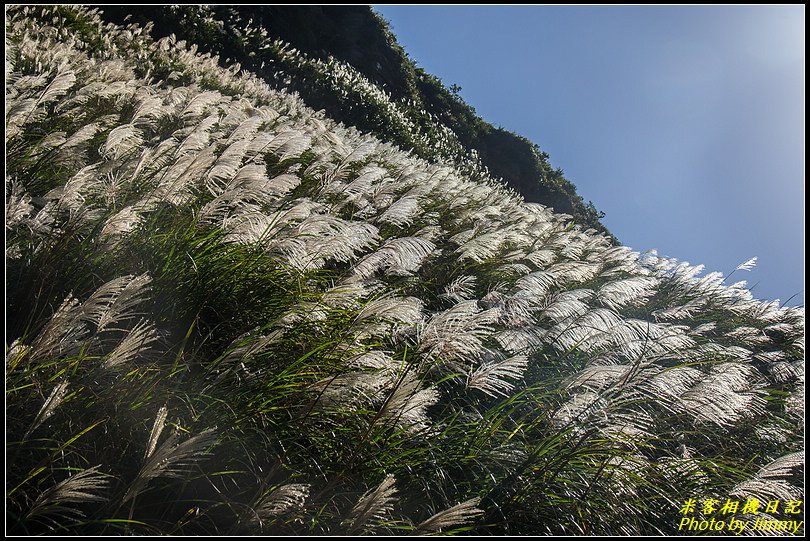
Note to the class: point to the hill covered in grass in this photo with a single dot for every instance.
(344, 60)
(228, 313)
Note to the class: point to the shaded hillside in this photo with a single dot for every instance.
(358, 37)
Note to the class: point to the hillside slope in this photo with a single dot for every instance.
(435, 122)
(229, 314)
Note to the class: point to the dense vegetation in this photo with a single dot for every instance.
(343, 59)
(228, 313)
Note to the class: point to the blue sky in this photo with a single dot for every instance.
(685, 125)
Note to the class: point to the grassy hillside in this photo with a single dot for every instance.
(228, 313)
(348, 63)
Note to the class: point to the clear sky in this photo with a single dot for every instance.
(685, 125)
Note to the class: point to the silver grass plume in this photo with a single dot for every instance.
(121, 141)
(235, 360)
(580, 407)
(294, 147)
(349, 293)
(119, 225)
(623, 473)
(747, 265)
(635, 338)
(704, 328)
(787, 372)
(575, 271)
(770, 357)
(405, 311)
(173, 459)
(372, 507)
(401, 212)
(686, 469)
(403, 254)
(323, 237)
(542, 258)
(457, 515)
(198, 139)
(460, 289)
(18, 206)
(251, 182)
(46, 222)
(283, 500)
(526, 340)
(490, 376)
(247, 346)
(49, 143)
(282, 184)
(485, 246)
(63, 334)
(771, 482)
(623, 292)
(597, 377)
(246, 130)
(516, 311)
(116, 300)
(200, 104)
(79, 488)
(157, 429)
(406, 404)
(374, 359)
(58, 87)
(18, 112)
(568, 305)
(361, 152)
(178, 181)
(457, 332)
(588, 332)
(53, 401)
(138, 339)
(15, 353)
(368, 181)
(111, 303)
(150, 110)
(301, 312)
(76, 146)
(783, 466)
(725, 396)
(748, 335)
(536, 240)
(226, 166)
(356, 389)
(514, 269)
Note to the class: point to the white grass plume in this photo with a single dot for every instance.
(53, 401)
(80, 488)
(173, 459)
(63, 334)
(490, 377)
(460, 289)
(457, 332)
(122, 141)
(404, 254)
(773, 480)
(282, 500)
(457, 515)
(58, 87)
(407, 404)
(116, 301)
(157, 429)
(138, 339)
(372, 507)
(747, 265)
